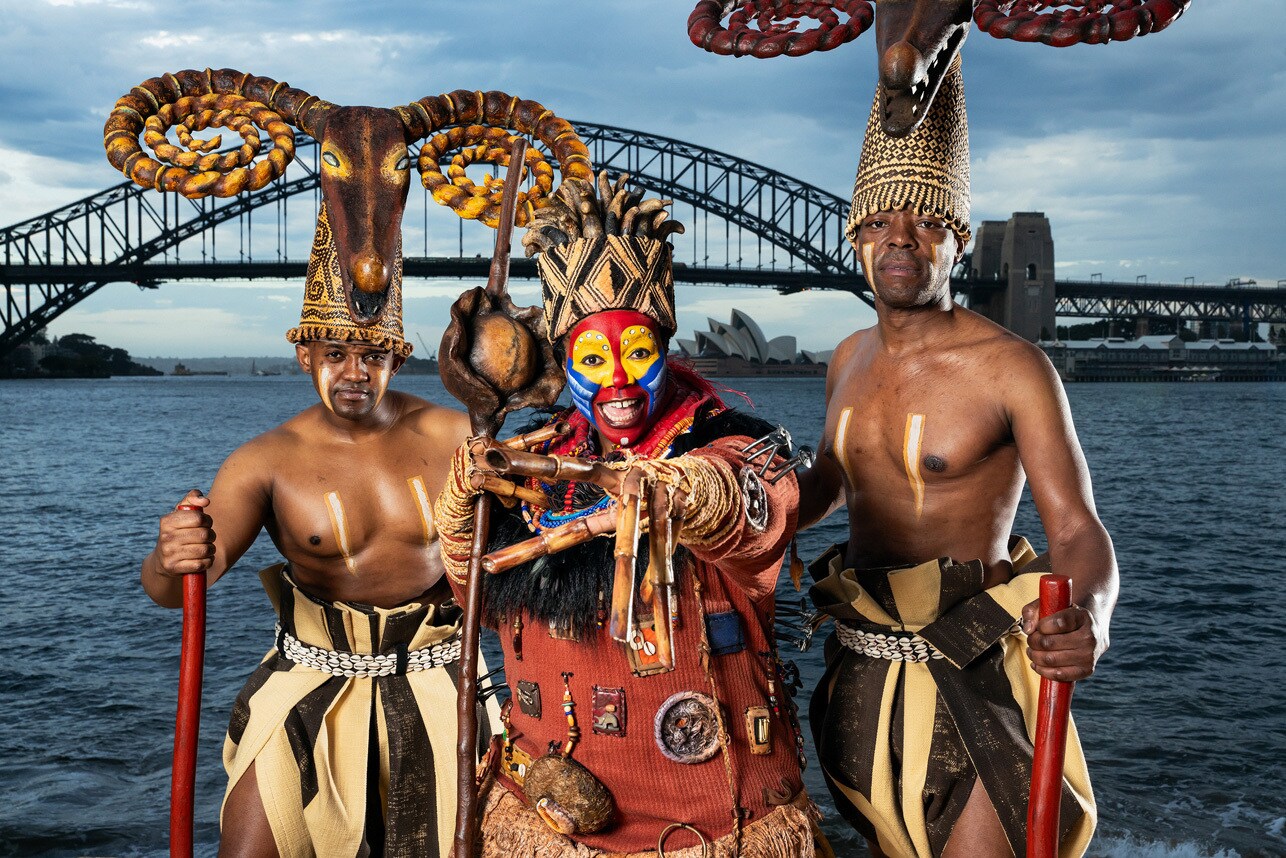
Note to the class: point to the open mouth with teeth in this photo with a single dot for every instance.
(622, 413)
(904, 108)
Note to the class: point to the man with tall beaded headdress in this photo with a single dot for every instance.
(342, 741)
(924, 718)
(648, 709)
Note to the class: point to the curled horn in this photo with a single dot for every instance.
(774, 32)
(190, 101)
(1080, 22)
(477, 127)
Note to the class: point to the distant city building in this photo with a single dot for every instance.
(1164, 357)
(739, 348)
(1017, 256)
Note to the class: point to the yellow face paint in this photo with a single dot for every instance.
(592, 358)
(339, 525)
(639, 352)
(841, 442)
(912, 440)
(422, 504)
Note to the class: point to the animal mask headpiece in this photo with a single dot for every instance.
(916, 40)
(364, 169)
(926, 171)
(603, 251)
(325, 315)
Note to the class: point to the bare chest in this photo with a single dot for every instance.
(339, 502)
(918, 428)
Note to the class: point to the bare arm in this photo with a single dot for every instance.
(1067, 645)
(213, 537)
(821, 487)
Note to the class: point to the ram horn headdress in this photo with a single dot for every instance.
(364, 170)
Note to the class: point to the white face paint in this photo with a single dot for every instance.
(339, 523)
(868, 265)
(912, 441)
(421, 495)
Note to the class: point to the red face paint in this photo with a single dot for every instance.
(616, 371)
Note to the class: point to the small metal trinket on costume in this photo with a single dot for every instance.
(608, 709)
(725, 633)
(687, 727)
(528, 694)
(758, 730)
(755, 498)
(777, 443)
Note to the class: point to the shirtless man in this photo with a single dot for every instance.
(345, 490)
(934, 418)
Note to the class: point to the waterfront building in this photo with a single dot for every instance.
(739, 348)
(1164, 357)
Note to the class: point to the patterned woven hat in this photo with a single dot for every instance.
(325, 315)
(927, 170)
(604, 251)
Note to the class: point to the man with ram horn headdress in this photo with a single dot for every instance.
(343, 741)
(648, 713)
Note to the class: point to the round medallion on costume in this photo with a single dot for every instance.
(755, 499)
(687, 727)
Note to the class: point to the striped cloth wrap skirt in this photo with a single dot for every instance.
(928, 689)
(350, 723)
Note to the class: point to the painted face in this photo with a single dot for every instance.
(350, 378)
(616, 372)
(907, 258)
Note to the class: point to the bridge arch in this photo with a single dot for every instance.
(44, 260)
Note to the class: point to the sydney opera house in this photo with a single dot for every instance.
(739, 348)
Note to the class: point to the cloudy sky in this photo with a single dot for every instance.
(1161, 156)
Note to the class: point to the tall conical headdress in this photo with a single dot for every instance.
(927, 170)
(325, 315)
(603, 251)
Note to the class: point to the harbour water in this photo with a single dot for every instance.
(1183, 725)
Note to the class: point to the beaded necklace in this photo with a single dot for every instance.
(582, 443)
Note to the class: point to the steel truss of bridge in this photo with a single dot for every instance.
(772, 231)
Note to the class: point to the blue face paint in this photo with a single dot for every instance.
(583, 391)
(654, 382)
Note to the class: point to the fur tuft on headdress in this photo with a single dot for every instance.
(603, 250)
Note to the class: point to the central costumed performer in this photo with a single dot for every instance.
(648, 713)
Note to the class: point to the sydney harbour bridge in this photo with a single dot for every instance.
(748, 226)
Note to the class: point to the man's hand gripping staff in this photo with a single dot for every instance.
(184, 547)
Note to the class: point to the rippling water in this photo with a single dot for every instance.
(1183, 725)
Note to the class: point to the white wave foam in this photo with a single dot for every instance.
(1129, 846)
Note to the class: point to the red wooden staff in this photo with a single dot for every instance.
(187, 723)
(1051, 737)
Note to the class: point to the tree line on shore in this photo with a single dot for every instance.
(69, 356)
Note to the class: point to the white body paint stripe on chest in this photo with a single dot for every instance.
(422, 504)
(912, 442)
(340, 525)
(841, 443)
